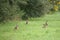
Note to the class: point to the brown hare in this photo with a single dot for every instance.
(45, 24)
(26, 21)
(16, 27)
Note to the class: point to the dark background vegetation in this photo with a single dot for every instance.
(24, 9)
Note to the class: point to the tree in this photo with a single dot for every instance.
(55, 4)
(12, 9)
(35, 8)
(9, 10)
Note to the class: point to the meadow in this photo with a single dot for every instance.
(33, 30)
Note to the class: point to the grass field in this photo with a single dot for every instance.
(33, 30)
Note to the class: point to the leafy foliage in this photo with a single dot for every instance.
(13, 9)
(9, 10)
(35, 8)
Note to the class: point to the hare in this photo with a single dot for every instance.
(16, 27)
(26, 21)
(45, 24)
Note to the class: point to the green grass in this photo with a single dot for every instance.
(33, 30)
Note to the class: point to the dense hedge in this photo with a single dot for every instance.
(16, 9)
